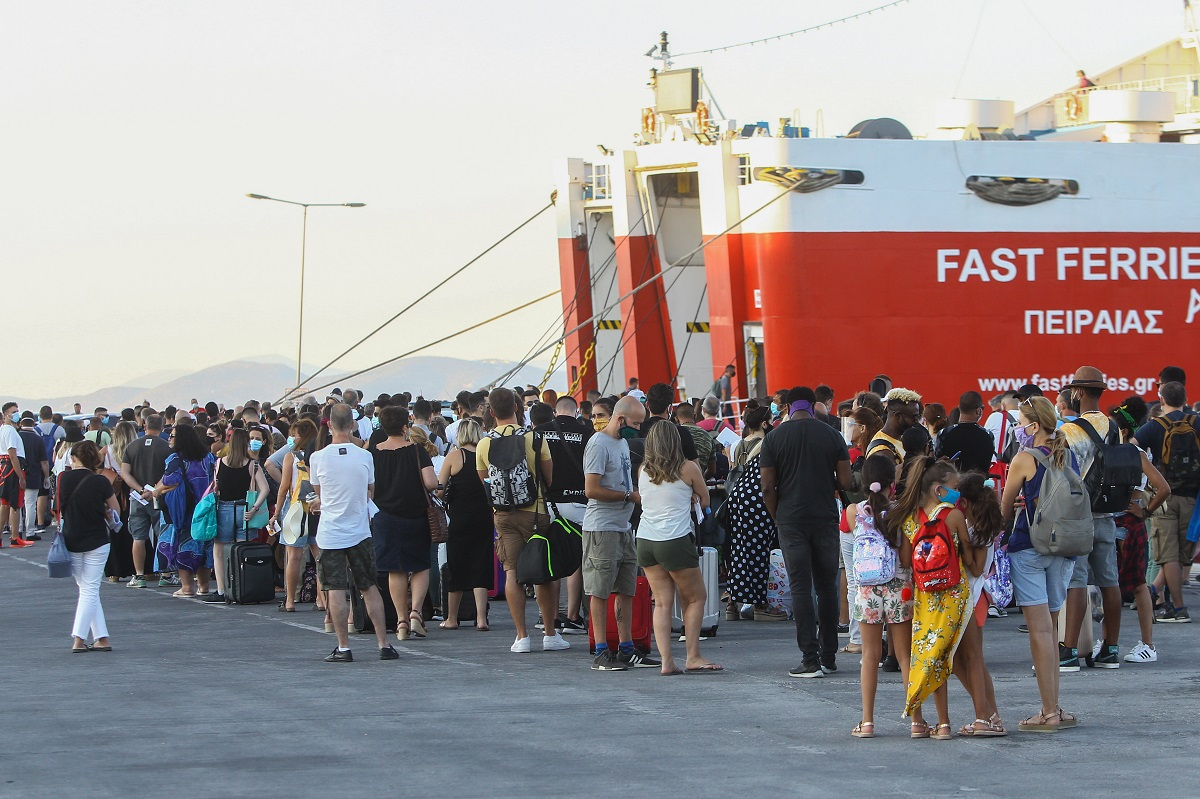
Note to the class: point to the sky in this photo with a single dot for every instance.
(131, 132)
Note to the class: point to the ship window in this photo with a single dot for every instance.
(745, 177)
(600, 185)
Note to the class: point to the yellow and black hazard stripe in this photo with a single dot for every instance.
(608, 324)
(698, 327)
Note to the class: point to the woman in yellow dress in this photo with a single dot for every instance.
(926, 515)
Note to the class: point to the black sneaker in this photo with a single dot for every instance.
(1173, 616)
(843, 630)
(607, 661)
(1068, 659)
(338, 656)
(1107, 659)
(807, 670)
(638, 660)
(890, 663)
(829, 668)
(213, 598)
(32, 537)
(387, 653)
(574, 627)
(1023, 628)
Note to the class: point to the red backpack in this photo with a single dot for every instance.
(935, 556)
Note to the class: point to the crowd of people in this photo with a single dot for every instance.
(899, 525)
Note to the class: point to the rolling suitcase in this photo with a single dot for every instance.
(643, 620)
(712, 602)
(361, 622)
(249, 573)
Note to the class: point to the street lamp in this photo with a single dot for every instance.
(303, 242)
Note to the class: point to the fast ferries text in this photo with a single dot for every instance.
(1005, 264)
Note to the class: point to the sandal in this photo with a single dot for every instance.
(918, 729)
(990, 729)
(1039, 723)
(402, 631)
(446, 625)
(864, 729)
(183, 594)
(938, 735)
(1067, 720)
(417, 624)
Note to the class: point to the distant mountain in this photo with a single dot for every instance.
(234, 382)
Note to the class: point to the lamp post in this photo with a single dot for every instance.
(303, 244)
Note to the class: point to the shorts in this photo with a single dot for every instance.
(332, 565)
(141, 520)
(1168, 530)
(10, 483)
(674, 555)
(1131, 553)
(231, 521)
(610, 562)
(1040, 579)
(1099, 567)
(890, 603)
(513, 529)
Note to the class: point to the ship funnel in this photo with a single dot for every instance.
(1131, 116)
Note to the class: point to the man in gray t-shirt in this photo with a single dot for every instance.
(609, 550)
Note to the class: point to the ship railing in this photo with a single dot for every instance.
(1072, 108)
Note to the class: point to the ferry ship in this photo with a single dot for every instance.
(1002, 249)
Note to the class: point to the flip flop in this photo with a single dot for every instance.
(674, 672)
(708, 667)
(95, 648)
(181, 595)
(446, 626)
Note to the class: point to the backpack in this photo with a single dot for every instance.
(302, 485)
(513, 486)
(1061, 523)
(1115, 473)
(1180, 459)
(48, 441)
(1008, 448)
(935, 562)
(874, 558)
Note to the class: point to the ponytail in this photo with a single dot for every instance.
(879, 474)
(985, 509)
(923, 473)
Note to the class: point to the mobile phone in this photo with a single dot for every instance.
(275, 526)
(311, 497)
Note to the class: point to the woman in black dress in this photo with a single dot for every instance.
(403, 477)
(469, 558)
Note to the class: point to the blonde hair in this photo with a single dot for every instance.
(418, 436)
(468, 433)
(124, 434)
(1041, 410)
(664, 454)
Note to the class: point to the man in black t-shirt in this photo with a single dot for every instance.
(658, 403)
(566, 437)
(804, 462)
(968, 444)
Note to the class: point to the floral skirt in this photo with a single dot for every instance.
(890, 603)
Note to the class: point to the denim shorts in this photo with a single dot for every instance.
(231, 524)
(1040, 579)
(1100, 566)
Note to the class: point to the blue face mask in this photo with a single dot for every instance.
(375, 422)
(774, 408)
(255, 445)
(952, 495)
(291, 442)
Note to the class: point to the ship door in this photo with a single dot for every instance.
(755, 368)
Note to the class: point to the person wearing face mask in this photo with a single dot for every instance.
(298, 450)
(234, 475)
(903, 411)
(12, 475)
(609, 548)
(751, 529)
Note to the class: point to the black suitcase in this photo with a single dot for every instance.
(361, 621)
(466, 609)
(249, 573)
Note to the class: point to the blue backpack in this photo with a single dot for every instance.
(48, 441)
(874, 559)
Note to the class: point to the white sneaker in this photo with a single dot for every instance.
(520, 646)
(553, 643)
(1141, 654)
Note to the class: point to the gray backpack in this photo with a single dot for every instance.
(1061, 523)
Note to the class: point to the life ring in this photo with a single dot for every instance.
(701, 118)
(649, 121)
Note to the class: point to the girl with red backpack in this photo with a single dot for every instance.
(927, 517)
(885, 593)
